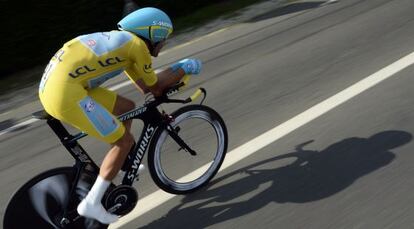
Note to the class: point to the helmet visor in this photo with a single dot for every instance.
(159, 33)
(156, 33)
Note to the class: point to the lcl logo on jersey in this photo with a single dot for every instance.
(147, 68)
(110, 61)
(102, 63)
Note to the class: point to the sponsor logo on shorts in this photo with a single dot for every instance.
(103, 122)
(89, 106)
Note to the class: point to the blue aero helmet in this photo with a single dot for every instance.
(150, 23)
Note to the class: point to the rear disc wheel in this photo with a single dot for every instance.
(40, 202)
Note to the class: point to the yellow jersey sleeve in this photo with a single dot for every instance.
(141, 68)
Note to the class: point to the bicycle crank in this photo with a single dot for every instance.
(121, 200)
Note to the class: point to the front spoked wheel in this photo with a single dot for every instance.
(181, 168)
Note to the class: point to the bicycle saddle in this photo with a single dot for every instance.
(42, 114)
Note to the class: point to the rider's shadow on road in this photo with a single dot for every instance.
(312, 176)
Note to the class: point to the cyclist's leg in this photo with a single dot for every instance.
(72, 104)
(121, 145)
(117, 104)
(122, 106)
(116, 156)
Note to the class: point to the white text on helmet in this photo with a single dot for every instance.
(162, 23)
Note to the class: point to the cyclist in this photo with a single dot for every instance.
(70, 88)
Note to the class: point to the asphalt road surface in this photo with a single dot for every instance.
(350, 167)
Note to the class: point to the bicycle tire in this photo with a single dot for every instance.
(158, 171)
(51, 190)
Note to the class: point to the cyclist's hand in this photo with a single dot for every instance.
(190, 66)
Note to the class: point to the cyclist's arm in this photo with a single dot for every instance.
(143, 75)
(175, 73)
(166, 79)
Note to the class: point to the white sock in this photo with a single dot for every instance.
(91, 206)
(98, 190)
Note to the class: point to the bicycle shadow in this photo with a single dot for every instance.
(312, 176)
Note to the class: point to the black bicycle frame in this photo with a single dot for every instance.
(148, 113)
(71, 144)
(152, 119)
(84, 162)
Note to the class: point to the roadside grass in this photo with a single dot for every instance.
(224, 9)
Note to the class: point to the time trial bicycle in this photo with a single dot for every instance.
(185, 150)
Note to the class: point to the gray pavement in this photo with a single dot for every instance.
(355, 171)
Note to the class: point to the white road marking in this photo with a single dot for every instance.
(159, 197)
(17, 126)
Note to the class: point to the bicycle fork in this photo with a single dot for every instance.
(174, 135)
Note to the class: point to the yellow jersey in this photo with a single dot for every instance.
(70, 87)
(92, 59)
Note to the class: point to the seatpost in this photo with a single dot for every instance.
(74, 148)
(59, 129)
